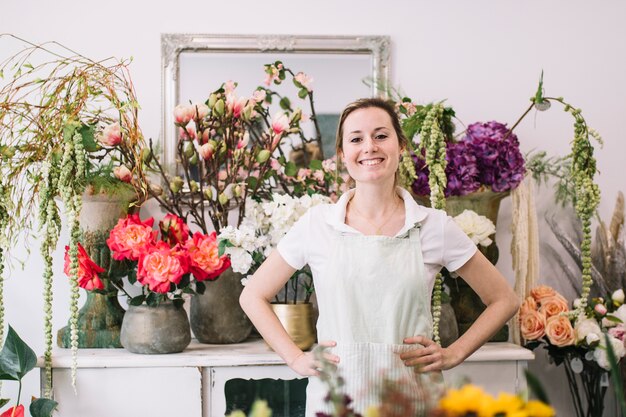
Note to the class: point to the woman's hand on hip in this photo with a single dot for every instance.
(306, 364)
(429, 356)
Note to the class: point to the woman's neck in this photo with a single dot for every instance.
(374, 201)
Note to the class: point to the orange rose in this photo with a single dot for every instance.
(529, 304)
(541, 292)
(159, 266)
(560, 331)
(206, 264)
(130, 238)
(532, 325)
(553, 306)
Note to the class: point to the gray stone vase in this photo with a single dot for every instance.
(155, 330)
(216, 316)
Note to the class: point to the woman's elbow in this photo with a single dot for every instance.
(513, 302)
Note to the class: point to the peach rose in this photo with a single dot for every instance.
(553, 306)
(203, 254)
(159, 266)
(532, 325)
(541, 292)
(529, 304)
(131, 237)
(560, 331)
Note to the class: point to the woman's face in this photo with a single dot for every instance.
(371, 150)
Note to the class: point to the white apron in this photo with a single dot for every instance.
(373, 295)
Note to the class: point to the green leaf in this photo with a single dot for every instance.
(613, 318)
(138, 300)
(152, 299)
(252, 181)
(200, 287)
(316, 164)
(184, 281)
(539, 93)
(4, 401)
(615, 375)
(132, 276)
(222, 245)
(42, 407)
(285, 104)
(303, 93)
(291, 169)
(89, 143)
(16, 358)
(178, 302)
(535, 386)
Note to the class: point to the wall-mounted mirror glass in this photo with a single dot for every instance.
(343, 69)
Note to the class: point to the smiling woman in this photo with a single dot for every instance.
(376, 243)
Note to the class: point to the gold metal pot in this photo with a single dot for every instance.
(297, 319)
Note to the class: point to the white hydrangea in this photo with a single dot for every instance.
(240, 259)
(587, 329)
(600, 353)
(476, 227)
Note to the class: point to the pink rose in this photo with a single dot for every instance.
(88, 270)
(553, 306)
(111, 135)
(541, 292)
(160, 266)
(600, 309)
(560, 331)
(174, 230)
(203, 254)
(618, 332)
(183, 114)
(131, 237)
(532, 325)
(122, 173)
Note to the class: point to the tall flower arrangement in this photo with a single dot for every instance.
(67, 124)
(232, 147)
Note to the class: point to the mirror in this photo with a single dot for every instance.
(196, 65)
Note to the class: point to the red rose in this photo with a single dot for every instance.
(203, 254)
(130, 237)
(174, 230)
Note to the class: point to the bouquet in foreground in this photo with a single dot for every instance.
(578, 341)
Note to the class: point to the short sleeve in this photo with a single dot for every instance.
(292, 247)
(458, 248)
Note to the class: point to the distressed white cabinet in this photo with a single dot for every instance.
(114, 382)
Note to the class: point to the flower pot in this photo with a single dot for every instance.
(448, 327)
(100, 318)
(297, 319)
(216, 316)
(155, 330)
(465, 302)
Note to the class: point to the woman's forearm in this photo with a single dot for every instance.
(267, 324)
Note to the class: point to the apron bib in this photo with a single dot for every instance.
(373, 295)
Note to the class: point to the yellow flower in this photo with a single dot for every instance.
(467, 399)
(506, 404)
(538, 409)
(260, 409)
(372, 411)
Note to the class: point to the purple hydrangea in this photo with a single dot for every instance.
(499, 160)
(482, 157)
(461, 171)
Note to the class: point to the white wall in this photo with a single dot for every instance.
(485, 57)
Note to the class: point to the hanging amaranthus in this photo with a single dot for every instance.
(432, 141)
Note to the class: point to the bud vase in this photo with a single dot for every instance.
(216, 316)
(155, 330)
(465, 302)
(100, 318)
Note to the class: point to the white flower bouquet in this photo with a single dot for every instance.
(263, 226)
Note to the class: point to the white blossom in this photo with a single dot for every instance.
(600, 353)
(587, 329)
(476, 227)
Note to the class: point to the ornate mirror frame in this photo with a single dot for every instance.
(172, 45)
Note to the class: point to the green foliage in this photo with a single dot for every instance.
(535, 387)
(16, 358)
(618, 384)
(42, 407)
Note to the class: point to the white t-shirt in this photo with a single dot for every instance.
(310, 239)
